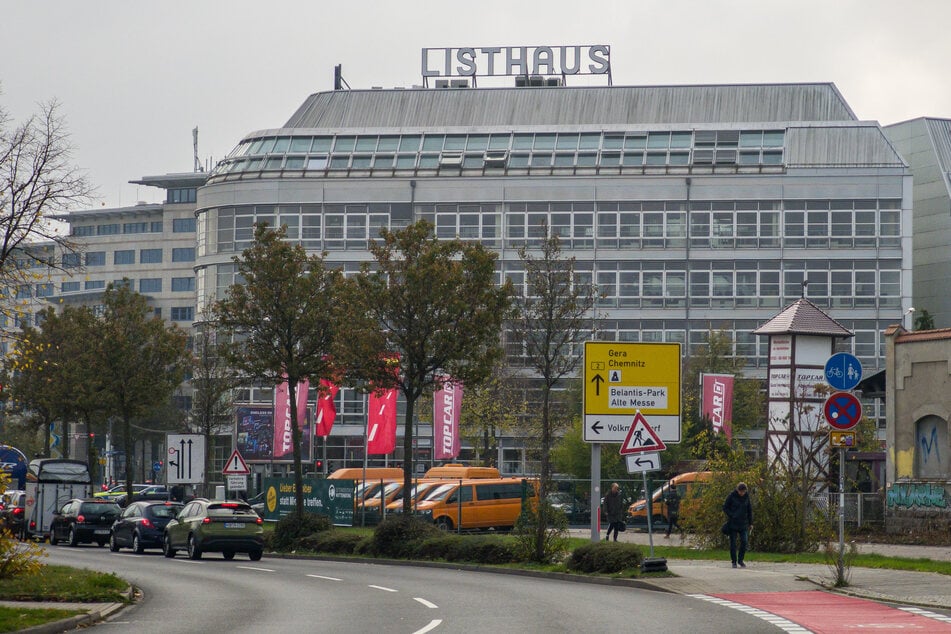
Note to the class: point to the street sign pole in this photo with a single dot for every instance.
(650, 511)
(840, 564)
(595, 492)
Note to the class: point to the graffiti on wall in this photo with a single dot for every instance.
(922, 495)
(931, 448)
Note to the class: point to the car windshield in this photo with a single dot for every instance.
(439, 492)
(165, 510)
(386, 491)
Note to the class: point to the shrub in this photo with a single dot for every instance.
(292, 527)
(605, 557)
(400, 535)
(483, 549)
(334, 542)
(554, 542)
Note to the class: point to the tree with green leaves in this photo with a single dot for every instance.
(213, 380)
(141, 362)
(492, 407)
(434, 303)
(284, 323)
(553, 318)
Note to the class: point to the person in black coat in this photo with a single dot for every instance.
(739, 522)
(614, 510)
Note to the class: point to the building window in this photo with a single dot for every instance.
(150, 285)
(93, 285)
(70, 260)
(182, 313)
(44, 290)
(96, 258)
(183, 284)
(108, 230)
(150, 256)
(84, 230)
(69, 287)
(135, 227)
(183, 225)
(183, 254)
(156, 226)
(181, 195)
(124, 257)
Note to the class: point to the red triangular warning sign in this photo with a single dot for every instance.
(641, 437)
(236, 465)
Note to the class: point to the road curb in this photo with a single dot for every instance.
(95, 615)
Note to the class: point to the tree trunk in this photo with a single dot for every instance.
(408, 454)
(544, 476)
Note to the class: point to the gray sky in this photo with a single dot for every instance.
(135, 77)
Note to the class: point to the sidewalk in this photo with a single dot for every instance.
(715, 577)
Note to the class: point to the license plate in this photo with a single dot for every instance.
(102, 531)
(234, 525)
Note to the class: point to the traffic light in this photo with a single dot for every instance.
(319, 466)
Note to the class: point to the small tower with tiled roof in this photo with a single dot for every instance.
(801, 339)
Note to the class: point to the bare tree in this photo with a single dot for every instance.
(37, 181)
(212, 381)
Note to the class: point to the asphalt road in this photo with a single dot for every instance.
(285, 595)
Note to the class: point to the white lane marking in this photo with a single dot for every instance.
(928, 614)
(189, 561)
(323, 577)
(253, 568)
(382, 588)
(428, 604)
(432, 625)
(783, 624)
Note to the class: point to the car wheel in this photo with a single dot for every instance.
(194, 552)
(113, 544)
(255, 555)
(444, 524)
(73, 539)
(167, 549)
(136, 544)
(228, 554)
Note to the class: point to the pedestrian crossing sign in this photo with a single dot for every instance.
(641, 437)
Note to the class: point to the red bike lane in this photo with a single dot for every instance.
(830, 613)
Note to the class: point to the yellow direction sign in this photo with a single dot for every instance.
(621, 378)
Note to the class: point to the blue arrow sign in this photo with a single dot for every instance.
(843, 371)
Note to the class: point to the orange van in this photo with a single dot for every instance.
(687, 485)
(372, 473)
(455, 471)
(477, 503)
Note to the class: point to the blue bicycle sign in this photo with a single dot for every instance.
(843, 371)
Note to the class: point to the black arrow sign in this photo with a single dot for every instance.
(597, 380)
(596, 428)
(641, 461)
(189, 458)
(181, 457)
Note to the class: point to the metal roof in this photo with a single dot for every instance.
(566, 106)
(802, 317)
(855, 144)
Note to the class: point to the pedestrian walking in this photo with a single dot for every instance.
(614, 511)
(739, 523)
(672, 500)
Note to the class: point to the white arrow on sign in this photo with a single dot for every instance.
(638, 463)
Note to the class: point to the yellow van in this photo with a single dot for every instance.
(455, 471)
(477, 503)
(372, 473)
(687, 485)
(419, 490)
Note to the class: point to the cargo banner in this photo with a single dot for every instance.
(333, 498)
(717, 399)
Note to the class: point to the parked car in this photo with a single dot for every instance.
(573, 508)
(225, 526)
(83, 521)
(149, 492)
(259, 503)
(118, 490)
(13, 513)
(142, 525)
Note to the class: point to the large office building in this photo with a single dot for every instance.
(693, 208)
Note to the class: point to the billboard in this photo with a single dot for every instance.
(254, 437)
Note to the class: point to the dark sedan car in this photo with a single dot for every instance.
(152, 492)
(83, 521)
(225, 526)
(141, 525)
(12, 513)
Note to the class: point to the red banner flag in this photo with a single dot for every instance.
(447, 407)
(326, 410)
(283, 434)
(381, 422)
(717, 401)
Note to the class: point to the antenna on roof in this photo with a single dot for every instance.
(339, 81)
(195, 144)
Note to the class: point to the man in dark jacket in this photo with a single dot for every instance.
(672, 500)
(739, 522)
(614, 510)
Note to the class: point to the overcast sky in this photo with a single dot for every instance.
(134, 77)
